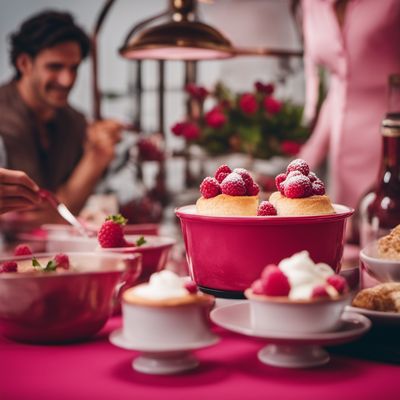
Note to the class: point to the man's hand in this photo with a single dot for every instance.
(102, 136)
(17, 191)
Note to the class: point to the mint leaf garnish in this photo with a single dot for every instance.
(51, 266)
(140, 241)
(36, 263)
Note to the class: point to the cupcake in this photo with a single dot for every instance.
(297, 296)
(168, 310)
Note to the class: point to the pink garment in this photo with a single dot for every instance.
(359, 58)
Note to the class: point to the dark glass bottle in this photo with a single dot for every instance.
(380, 209)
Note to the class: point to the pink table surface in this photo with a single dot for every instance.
(228, 370)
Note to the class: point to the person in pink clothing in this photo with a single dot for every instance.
(358, 42)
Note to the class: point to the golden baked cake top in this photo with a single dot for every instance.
(166, 289)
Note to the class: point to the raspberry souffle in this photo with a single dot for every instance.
(228, 193)
(300, 192)
(298, 295)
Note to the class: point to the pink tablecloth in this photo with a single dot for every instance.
(229, 370)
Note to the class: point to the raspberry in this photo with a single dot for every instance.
(111, 233)
(221, 176)
(292, 174)
(22, 250)
(275, 283)
(318, 187)
(210, 188)
(279, 179)
(61, 260)
(191, 287)
(338, 282)
(297, 186)
(257, 287)
(9, 266)
(312, 176)
(298, 165)
(247, 179)
(222, 172)
(266, 208)
(269, 267)
(233, 185)
(254, 190)
(319, 291)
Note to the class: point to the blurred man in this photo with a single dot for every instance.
(42, 134)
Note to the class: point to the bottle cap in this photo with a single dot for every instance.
(391, 127)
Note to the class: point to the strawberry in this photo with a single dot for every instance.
(9, 266)
(210, 188)
(111, 233)
(22, 250)
(266, 208)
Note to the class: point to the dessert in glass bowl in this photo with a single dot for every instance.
(167, 309)
(298, 295)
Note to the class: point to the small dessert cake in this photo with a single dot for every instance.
(298, 278)
(297, 296)
(167, 310)
(229, 193)
(166, 289)
(389, 245)
(300, 192)
(383, 297)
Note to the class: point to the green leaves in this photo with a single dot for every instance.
(140, 241)
(117, 218)
(50, 266)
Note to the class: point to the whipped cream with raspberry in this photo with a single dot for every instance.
(162, 285)
(304, 274)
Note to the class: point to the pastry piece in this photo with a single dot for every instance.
(383, 297)
(225, 205)
(313, 205)
(389, 245)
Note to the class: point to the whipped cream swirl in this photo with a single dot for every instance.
(162, 285)
(304, 274)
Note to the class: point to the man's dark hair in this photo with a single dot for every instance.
(45, 30)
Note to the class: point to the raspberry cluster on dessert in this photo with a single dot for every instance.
(300, 192)
(228, 193)
(111, 233)
(298, 278)
(32, 264)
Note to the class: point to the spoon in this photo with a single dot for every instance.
(64, 212)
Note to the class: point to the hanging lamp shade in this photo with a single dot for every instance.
(180, 38)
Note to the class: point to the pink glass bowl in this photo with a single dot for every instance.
(226, 254)
(51, 307)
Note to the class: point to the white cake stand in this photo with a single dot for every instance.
(288, 349)
(160, 359)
